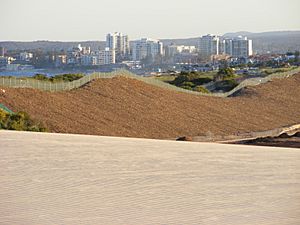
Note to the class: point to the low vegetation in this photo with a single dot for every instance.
(18, 121)
(58, 78)
(225, 80)
(269, 71)
(192, 81)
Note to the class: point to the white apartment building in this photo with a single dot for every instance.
(208, 46)
(240, 47)
(107, 56)
(146, 47)
(119, 43)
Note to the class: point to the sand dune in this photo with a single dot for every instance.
(72, 179)
(127, 107)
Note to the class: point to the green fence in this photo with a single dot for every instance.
(65, 86)
(53, 86)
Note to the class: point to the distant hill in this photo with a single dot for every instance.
(240, 33)
(50, 45)
(274, 42)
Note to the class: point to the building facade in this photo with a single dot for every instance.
(60, 60)
(89, 60)
(239, 47)
(107, 56)
(26, 56)
(173, 50)
(120, 44)
(146, 48)
(208, 46)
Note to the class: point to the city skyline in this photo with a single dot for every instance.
(73, 21)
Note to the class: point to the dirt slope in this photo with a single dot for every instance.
(126, 107)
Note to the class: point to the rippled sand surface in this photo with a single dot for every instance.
(71, 179)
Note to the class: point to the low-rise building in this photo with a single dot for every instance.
(107, 56)
(4, 61)
(26, 56)
(60, 60)
(172, 50)
(89, 60)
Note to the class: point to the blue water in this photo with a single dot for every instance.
(49, 73)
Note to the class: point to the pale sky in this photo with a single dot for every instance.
(78, 20)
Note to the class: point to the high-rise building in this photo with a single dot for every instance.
(208, 46)
(239, 47)
(119, 43)
(146, 47)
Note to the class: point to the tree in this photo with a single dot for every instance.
(224, 73)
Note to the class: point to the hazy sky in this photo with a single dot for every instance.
(92, 19)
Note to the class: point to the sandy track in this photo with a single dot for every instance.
(126, 107)
(71, 179)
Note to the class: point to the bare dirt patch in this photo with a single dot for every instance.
(127, 107)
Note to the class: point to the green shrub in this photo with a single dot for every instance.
(187, 88)
(226, 85)
(202, 80)
(225, 73)
(40, 77)
(19, 121)
(201, 89)
(187, 84)
(193, 77)
(66, 77)
(58, 78)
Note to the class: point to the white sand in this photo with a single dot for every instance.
(71, 179)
